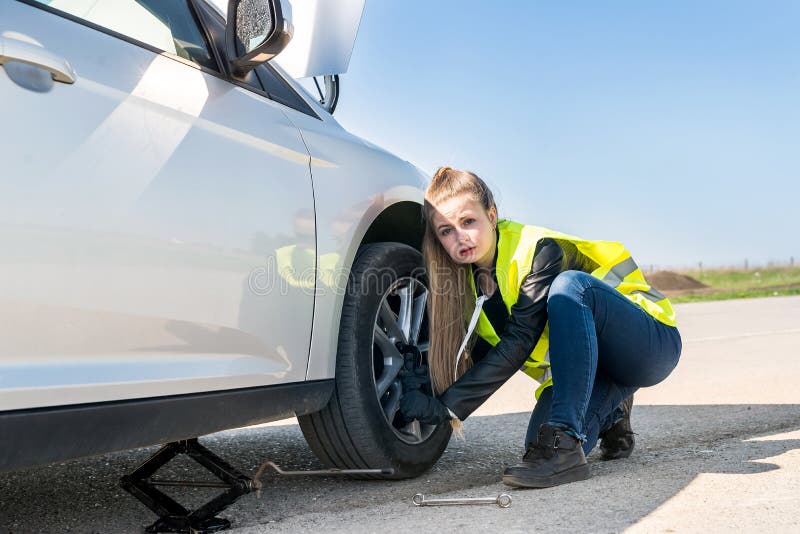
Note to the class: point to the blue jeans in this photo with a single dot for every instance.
(603, 347)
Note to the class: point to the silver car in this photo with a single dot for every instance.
(189, 242)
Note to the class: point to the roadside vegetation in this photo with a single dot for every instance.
(722, 284)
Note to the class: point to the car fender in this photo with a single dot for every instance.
(354, 182)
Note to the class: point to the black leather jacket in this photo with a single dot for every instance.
(523, 327)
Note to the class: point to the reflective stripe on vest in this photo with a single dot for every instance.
(516, 248)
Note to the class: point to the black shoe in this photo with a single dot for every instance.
(555, 458)
(618, 441)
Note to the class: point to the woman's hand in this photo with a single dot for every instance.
(428, 410)
(415, 378)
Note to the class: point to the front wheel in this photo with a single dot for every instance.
(384, 326)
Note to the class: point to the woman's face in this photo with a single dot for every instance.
(466, 230)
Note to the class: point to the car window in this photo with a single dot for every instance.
(278, 90)
(167, 25)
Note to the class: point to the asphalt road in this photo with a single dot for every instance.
(718, 449)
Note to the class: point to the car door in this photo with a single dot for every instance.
(144, 203)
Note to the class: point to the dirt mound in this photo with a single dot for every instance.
(671, 281)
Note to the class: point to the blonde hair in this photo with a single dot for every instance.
(451, 302)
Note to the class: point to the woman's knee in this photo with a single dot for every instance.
(569, 285)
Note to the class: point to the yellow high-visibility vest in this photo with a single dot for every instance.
(609, 261)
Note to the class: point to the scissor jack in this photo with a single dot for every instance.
(173, 517)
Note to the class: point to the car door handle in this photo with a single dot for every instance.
(16, 50)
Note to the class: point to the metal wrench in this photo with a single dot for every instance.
(257, 484)
(503, 500)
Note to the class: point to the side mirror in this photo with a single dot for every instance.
(256, 31)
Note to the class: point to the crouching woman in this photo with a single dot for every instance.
(576, 315)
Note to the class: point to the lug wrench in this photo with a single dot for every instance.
(256, 484)
(503, 500)
(334, 471)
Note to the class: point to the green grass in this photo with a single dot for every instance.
(743, 294)
(750, 279)
(735, 284)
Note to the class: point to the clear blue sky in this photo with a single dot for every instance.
(673, 127)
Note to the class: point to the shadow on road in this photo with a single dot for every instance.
(674, 445)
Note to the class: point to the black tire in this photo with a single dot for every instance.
(353, 431)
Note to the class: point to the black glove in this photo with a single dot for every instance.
(428, 410)
(415, 378)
